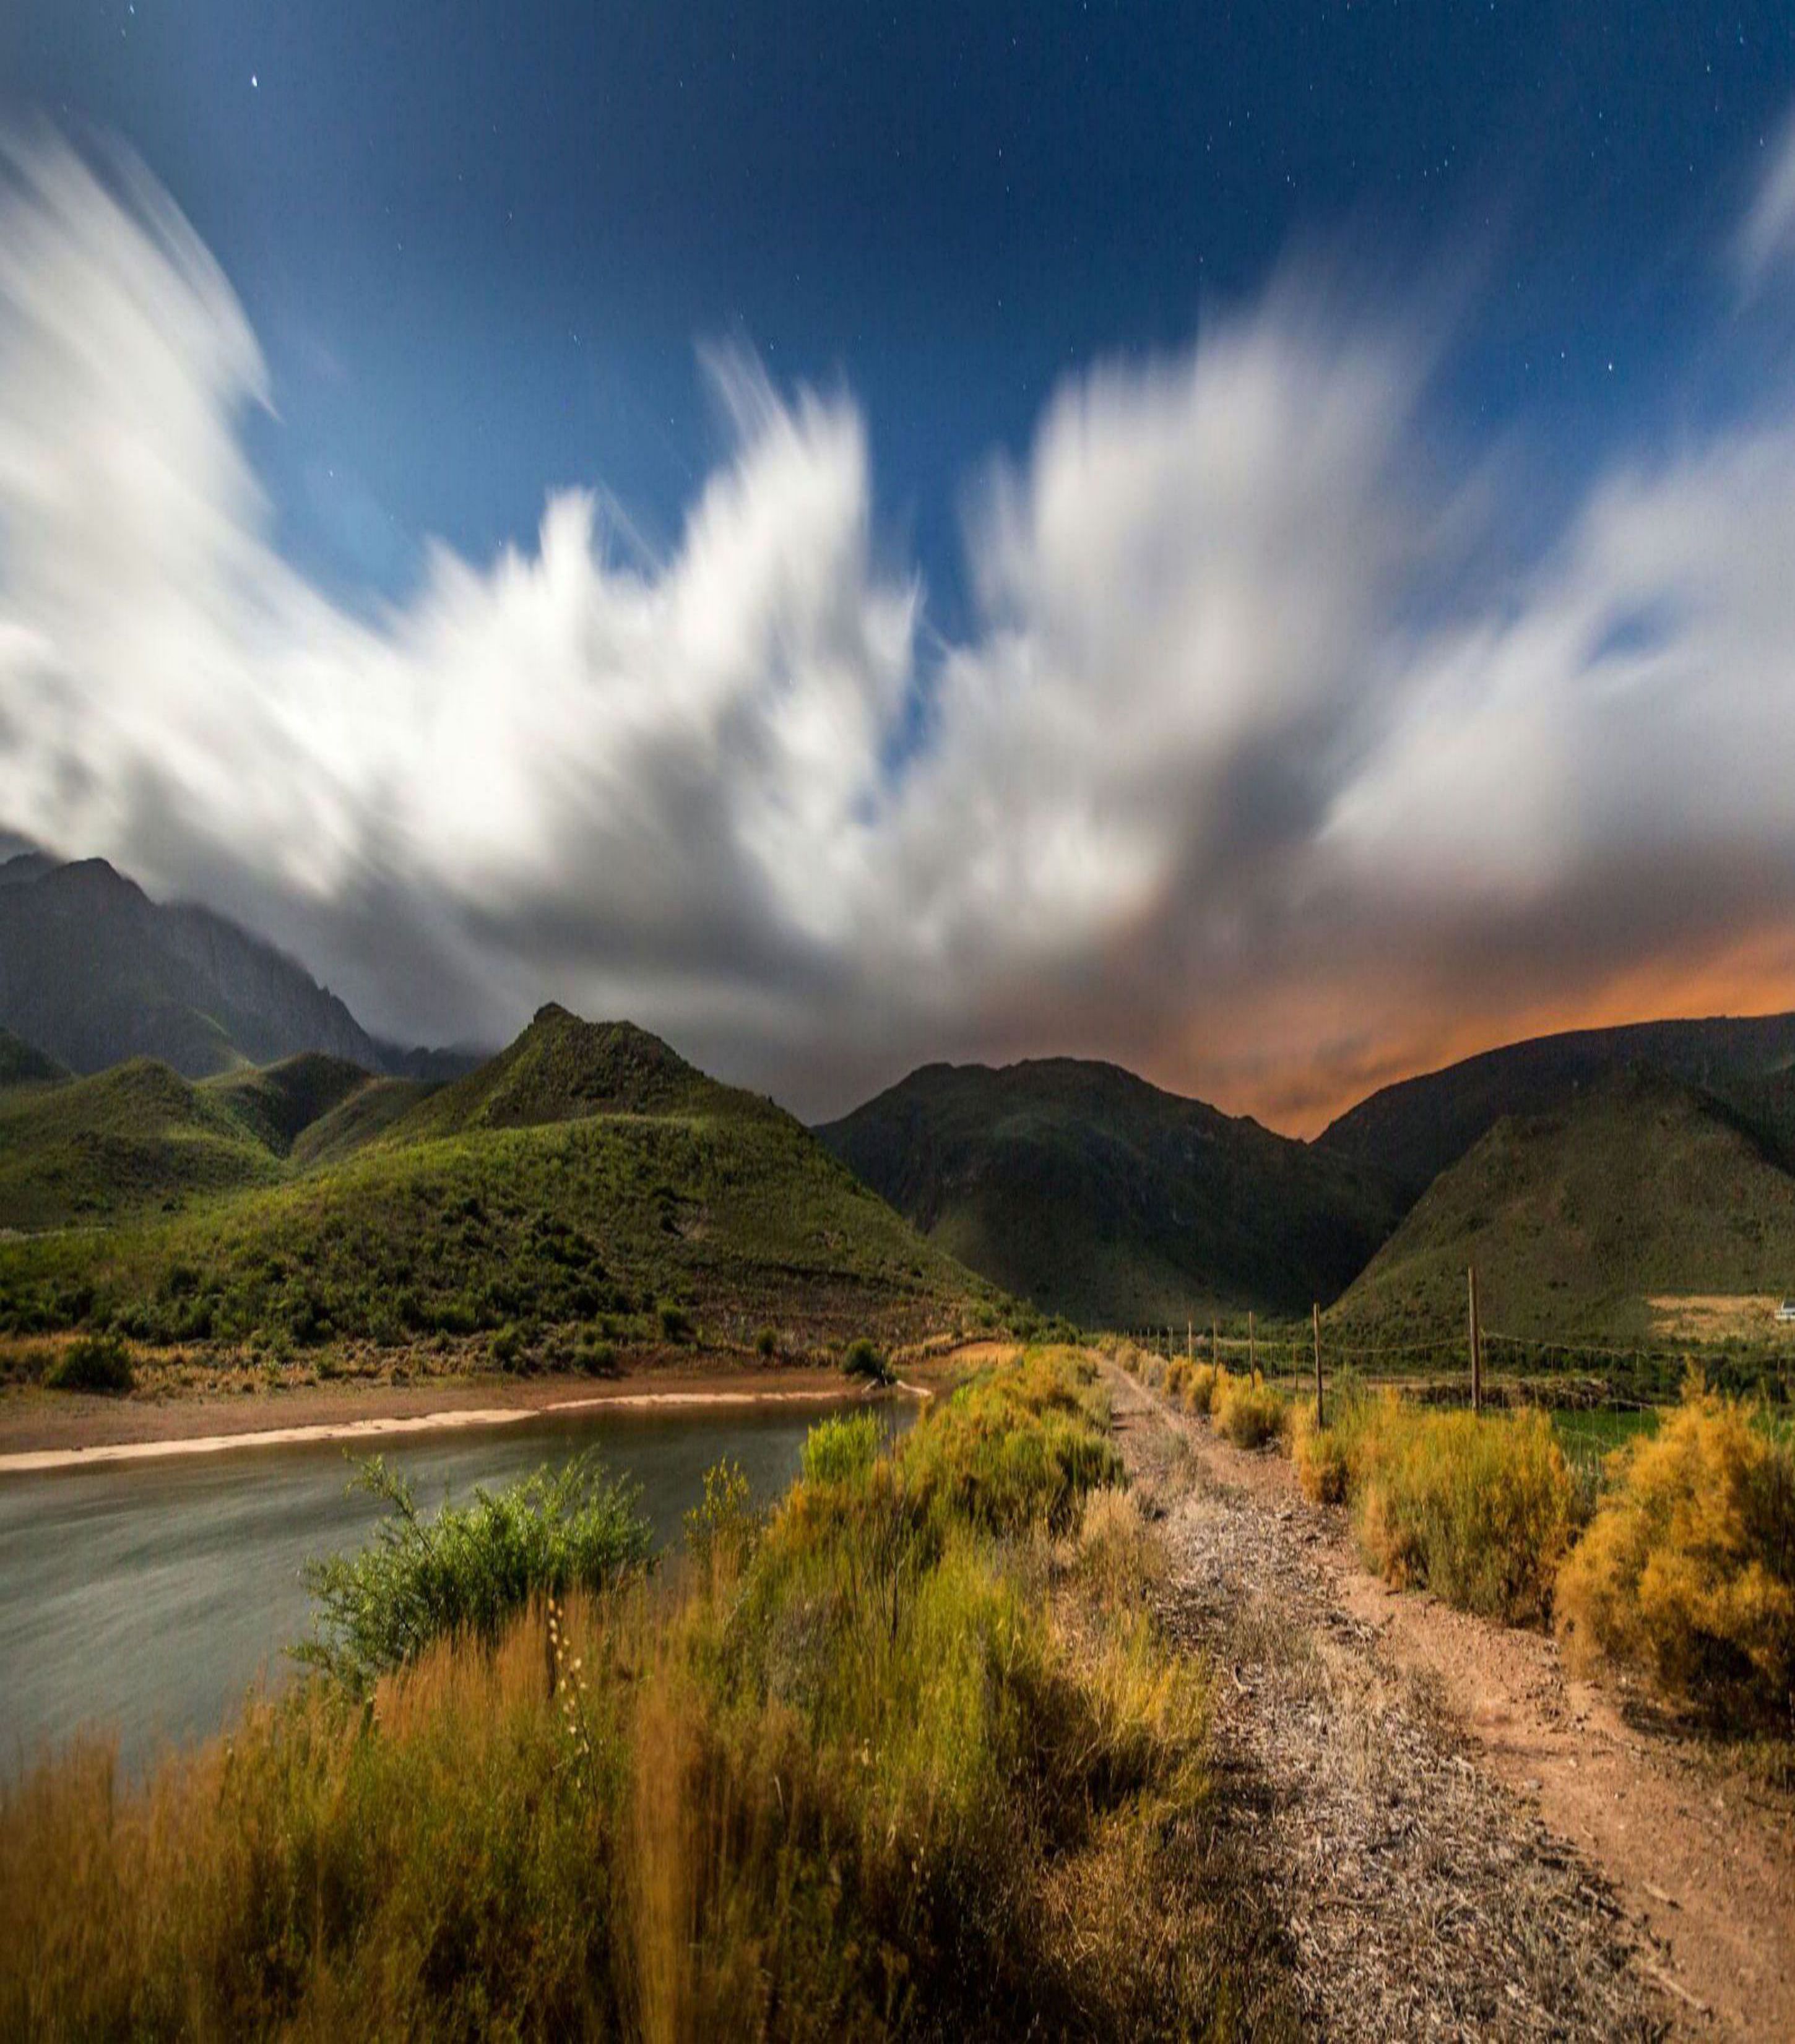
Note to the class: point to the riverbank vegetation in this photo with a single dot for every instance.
(1678, 1563)
(905, 1757)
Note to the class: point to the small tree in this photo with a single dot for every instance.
(862, 1360)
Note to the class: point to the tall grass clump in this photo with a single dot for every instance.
(1688, 1568)
(1201, 1382)
(92, 1363)
(892, 1761)
(1480, 1509)
(467, 1568)
(1016, 1447)
(1250, 1415)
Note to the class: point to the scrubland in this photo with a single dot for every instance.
(1677, 1562)
(904, 1756)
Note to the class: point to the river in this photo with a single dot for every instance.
(148, 1597)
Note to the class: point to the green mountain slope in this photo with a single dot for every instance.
(139, 1135)
(563, 1069)
(1642, 1185)
(1084, 1189)
(587, 1174)
(279, 1103)
(1414, 1130)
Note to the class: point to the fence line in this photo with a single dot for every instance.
(1601, 1375)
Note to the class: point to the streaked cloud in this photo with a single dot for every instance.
(1259, 767)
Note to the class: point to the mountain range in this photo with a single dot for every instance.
(1585, 1175)
(154, 1059)
(93, 972)
(587, 1183)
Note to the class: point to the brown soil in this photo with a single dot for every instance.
(1469, 1843)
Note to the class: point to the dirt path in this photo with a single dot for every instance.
(1465, 1844)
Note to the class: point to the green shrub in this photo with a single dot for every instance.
(675, 1323)
(1016, 1447)
(466, 1569)
(506, 1347)
(597, 1357)
(92, 1363)
(842, 1450)
(1688, 1568)
(862, 1359)
(767, 1344)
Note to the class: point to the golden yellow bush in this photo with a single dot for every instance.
(1200, 1386)
(1250, 1415)
(1687, 1569)
(1320, 1454)
(1479, 1508)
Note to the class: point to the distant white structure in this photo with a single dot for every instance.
(1786, 1311)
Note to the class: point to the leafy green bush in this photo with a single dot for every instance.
(862, 1358)
(767, 1344)
(466, 1569)
(675, 1323)
(596, 1356)
(92, 1363)
(1688, 1568)
(1016, 1447)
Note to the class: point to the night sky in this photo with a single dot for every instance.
(1254, 542)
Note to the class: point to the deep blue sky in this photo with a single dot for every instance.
(479, 242)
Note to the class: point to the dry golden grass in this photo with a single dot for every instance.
(898, 1761)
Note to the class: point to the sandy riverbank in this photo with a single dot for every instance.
(44, 1430)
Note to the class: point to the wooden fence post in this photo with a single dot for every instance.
(1320, 1413)
(1252, 1349)
(1215, 1346)
(1477, 1345)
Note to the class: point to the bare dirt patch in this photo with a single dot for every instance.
(1714, 1316)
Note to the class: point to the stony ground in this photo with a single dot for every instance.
(1420, 1899)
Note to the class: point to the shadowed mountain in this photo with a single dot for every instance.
(1639, 1186)
(93, 972)
(22, 1065)
(1086, 1189)
(1415, 1129)
(587, 1179)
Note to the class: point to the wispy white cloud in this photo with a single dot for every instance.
(1199, 788)
(1764, 243)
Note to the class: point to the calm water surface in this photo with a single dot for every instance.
(149, 1597)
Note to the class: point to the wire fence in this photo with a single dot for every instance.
(1599, 1395)
(1568, 1375)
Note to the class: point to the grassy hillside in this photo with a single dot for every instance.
(279, 1103)
(1082, 1188)
(1641, 1186)
(586, 1180)
(1415, 1130)
(139, 1135)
